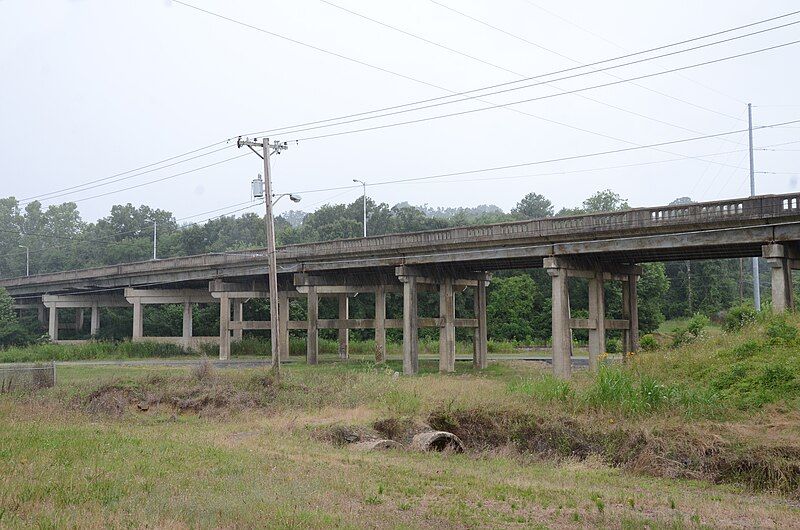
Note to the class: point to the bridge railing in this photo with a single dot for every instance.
(763, 207)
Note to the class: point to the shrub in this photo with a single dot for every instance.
(697, 323)
(648, 343)
(780, 331)
(613, 345)
(739, 316)
(692, 331)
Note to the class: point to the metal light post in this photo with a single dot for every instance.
(364, 184)
(27, 260)
(268, 149)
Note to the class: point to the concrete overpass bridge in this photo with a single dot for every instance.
(599, 247)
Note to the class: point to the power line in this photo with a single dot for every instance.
(32, 197)
(550, 50)
(494, 65)
(161, 179)
(470, 111)
(557, 72)
(547, 161)
(598, 36)
(378, 110)
(85, 187)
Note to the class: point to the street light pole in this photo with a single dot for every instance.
(266, 150)
(27, 260)
(364, 184)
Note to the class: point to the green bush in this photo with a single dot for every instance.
(739, 316)
(697, 324)
(613, 345)
(692, 331)
(648, 343)
(779, 331)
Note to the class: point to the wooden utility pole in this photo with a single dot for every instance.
(266, 150)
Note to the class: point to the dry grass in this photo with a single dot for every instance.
(221, 448)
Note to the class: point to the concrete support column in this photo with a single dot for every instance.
(95, 322)
(238, 311)
(186, 335)
(562, 334)
(782, 259)
(380, 324)
(481, 348)
(312, 341)
(634, 312)
(447, 331)
(224, 327)
(138, 320)
(410, 326)
(344, 333)
(283, 324)
(40, 313)
(79, 319)
(597, 314)
(53, 324)
(782, 295)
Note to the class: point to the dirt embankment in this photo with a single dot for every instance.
(686, 451)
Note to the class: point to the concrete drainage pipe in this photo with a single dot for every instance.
(437, 441)
(376, 445)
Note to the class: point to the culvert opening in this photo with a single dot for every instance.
(437, 441)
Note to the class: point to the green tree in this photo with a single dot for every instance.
(516, 309)
(605, 201)
(653, 286)
(533, 206)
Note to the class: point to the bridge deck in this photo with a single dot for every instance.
(720, 229)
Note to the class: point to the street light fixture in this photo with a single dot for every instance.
(292, 197)
(27, 260)
(364, 185)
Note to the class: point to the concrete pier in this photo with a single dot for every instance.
(447, 331)
(561, 270)
(782, 260)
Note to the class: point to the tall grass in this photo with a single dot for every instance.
(91, 350)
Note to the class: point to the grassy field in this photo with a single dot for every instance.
(706, 435)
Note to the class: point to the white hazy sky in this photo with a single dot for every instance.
(91, 88)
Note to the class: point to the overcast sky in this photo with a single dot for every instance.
(92, 88)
